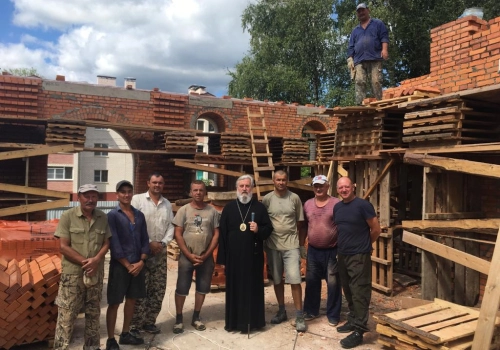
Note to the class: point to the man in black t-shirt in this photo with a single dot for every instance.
(358, 228)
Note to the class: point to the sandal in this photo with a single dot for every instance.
(198, 325)
(178, 328)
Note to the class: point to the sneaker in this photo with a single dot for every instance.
(300, 325)
(151, 328)
(352, 340)
(333, 322)
(309, 317)
(280, 317)
(127, 338)
(135, 332)
(111, 344)
(346, 328)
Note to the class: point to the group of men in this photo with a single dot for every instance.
(340, 234)
(136, 232)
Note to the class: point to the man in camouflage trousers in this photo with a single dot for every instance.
(84, 240)
(159, 216)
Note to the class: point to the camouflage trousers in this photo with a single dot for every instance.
(147, 309)
(363, 70)
(72, 296)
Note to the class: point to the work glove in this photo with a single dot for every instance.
(350, 65)
(303, 252)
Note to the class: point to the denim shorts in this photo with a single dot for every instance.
(287, 261)
(204, 274)
(122, 284)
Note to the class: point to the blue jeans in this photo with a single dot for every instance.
(322, 264)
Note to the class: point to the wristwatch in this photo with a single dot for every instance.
(163, 244)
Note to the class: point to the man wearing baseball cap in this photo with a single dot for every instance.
(84, 235)
(368, 47)
(321, 232)
(129, 248)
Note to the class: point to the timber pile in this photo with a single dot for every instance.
(451, 122)
(365, 133)
(295, 150)
(27, 293)
(325, 146)
(65, 132)
(440, 325)
(176, 142)
(236, 146)
(405, 95)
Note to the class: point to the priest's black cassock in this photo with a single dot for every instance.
(243, 256)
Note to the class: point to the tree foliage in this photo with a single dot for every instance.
(298, 47)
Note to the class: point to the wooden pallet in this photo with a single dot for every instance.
(434, 324)
(382, 256)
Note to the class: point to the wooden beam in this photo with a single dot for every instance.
(454, 216)
(480, 147)
(459, 165)
(208, 169)
(447, 252)
(36, 151)
(33, 190)
(491, 302)
(489, 226)
(20, 145)
(379, 178)
(22, 209)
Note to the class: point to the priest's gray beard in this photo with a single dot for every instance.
(243, 197)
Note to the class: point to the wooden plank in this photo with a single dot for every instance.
(21, 209)
(430, 112)
(449, 253)
(488, 226)
(34, 191)
(450, 164)
(36, 151)
(490, 303)
(379, 178)
(454, 216)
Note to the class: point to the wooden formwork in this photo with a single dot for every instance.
(366, 174)
(382, 262)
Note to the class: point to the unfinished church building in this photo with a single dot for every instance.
(427, 156)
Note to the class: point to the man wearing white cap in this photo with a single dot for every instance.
(368, 47)
(321, 233)
(84, 235)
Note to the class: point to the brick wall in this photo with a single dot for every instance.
(465, 55)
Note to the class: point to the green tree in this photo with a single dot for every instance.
(292, 52)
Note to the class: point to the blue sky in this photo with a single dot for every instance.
(169, 44)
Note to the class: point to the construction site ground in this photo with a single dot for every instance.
(320, 335)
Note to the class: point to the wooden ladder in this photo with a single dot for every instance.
(262, 158)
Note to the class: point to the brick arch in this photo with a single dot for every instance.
(315, 124)
(101, 114)
(212, 114)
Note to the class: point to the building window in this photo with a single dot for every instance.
(101, 153)
(60, 173)
(100, 176)
(199, 148)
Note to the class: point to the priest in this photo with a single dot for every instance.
(244, 225)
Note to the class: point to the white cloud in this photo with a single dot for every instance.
(169, 44)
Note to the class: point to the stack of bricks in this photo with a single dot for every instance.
(27, 293)
(169, 109)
